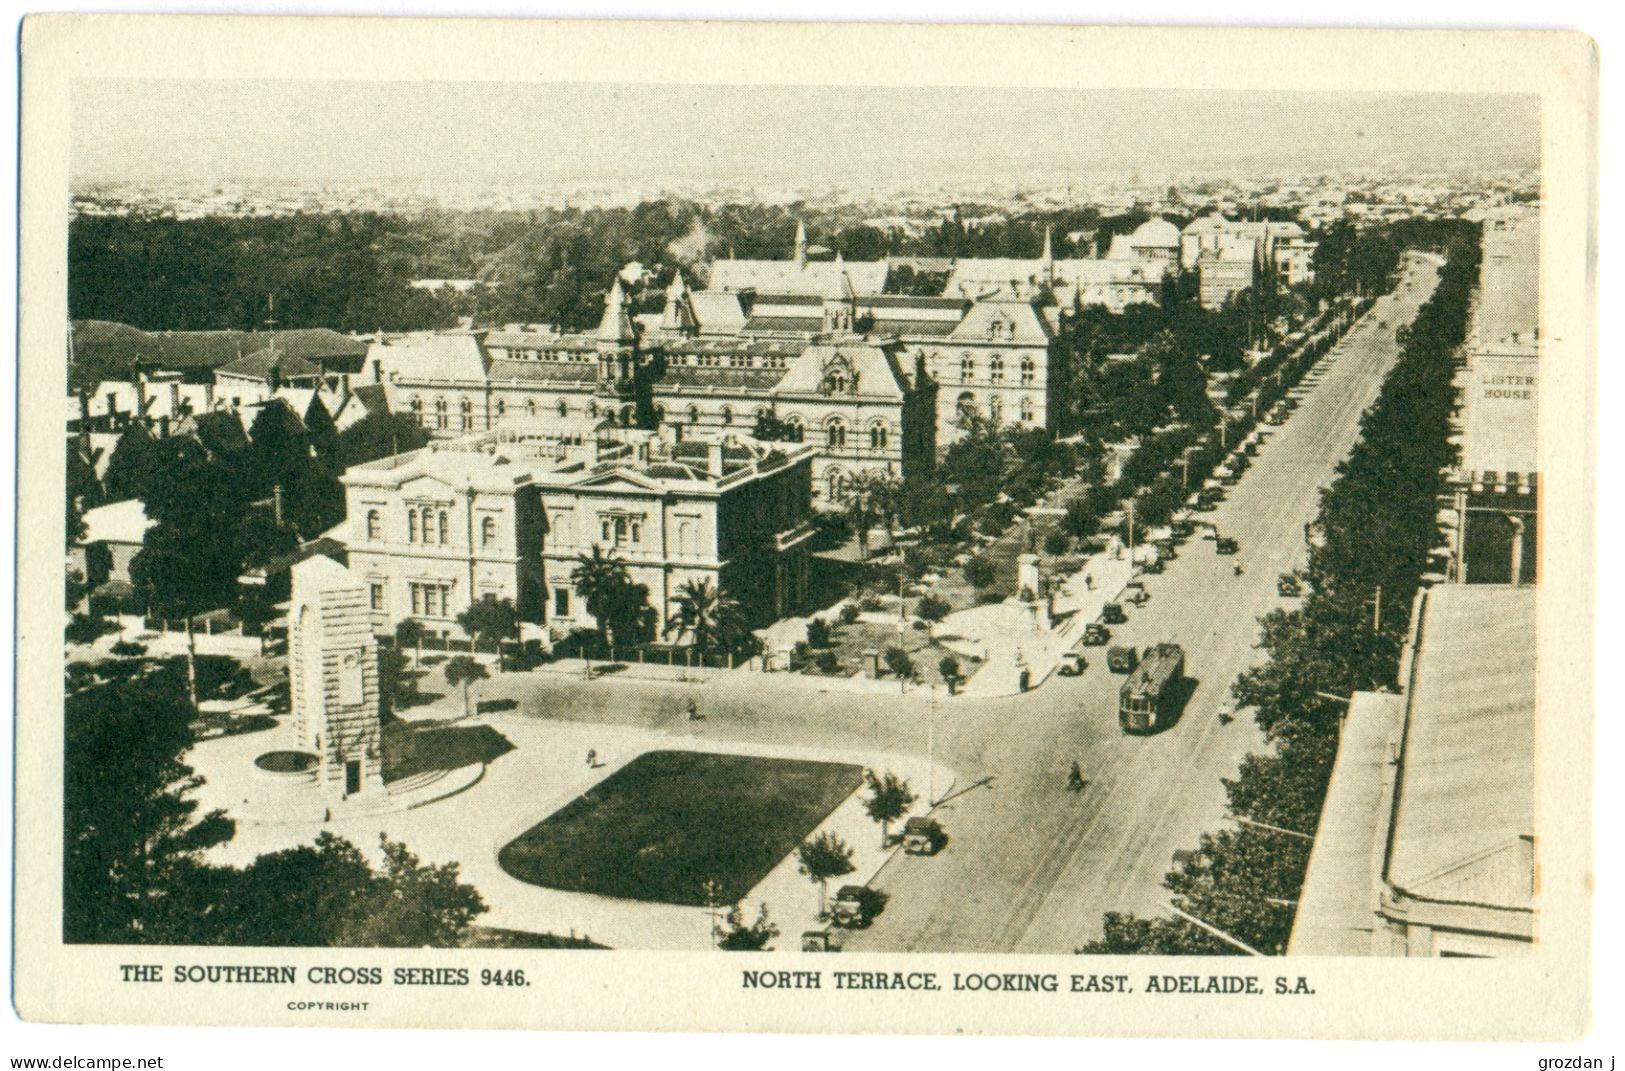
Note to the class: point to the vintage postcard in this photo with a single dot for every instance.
(703, 527)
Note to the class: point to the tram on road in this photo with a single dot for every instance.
(1151, 696)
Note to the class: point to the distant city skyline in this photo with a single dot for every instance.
(523, 133)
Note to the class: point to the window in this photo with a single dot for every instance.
(793, 430)
(727, 414)
(1026, 371)
(376, 594)
(440, 413)
(995, 409)
(877, 436)
(530, 408)
(416, 405)
(488, 531)
(467, 411)
(835, 434)
(693, 414)
(561, 602)
(995, 369)
(442, 527)
(412, 528)
(564, 408)
(1026, 410)
(375, 524)
(967, 368)
(966, 405)
(502, 408)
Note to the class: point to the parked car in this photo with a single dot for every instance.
(1112, 614)
(1122, 659)
(1072, 664)
(854, 907)
(1096, 635)
(1226, 545)
(923, 836)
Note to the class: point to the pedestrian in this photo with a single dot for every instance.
(1237, 568)
(1074, 780)
(592, 758)
(693, 711)
(1089, 581)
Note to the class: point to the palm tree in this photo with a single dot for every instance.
(601, 582)
(711, 619)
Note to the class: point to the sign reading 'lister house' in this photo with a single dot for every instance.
(1500, 419)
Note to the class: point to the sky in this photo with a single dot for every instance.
(486, 132)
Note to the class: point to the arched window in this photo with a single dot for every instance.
(442, 527)
(966, 404)
(995, 369)
(564, 408)
(727, 414)
(686, 542)
(530, 408)
(877, 436)
(793, 429)
(1026, 410)
(837, 484)
(626, 417)
(967, 368)
(660, 414)
(592, 410)
(1026, 371)
(466, 409)
(412, 526)
(416, 405)
(488, 531)
(693, 414)
(835, 433)
(440, 413)
(502, 408)
(995, 409)
(375, 524)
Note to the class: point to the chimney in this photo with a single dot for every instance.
(713, 459)
(276, 505)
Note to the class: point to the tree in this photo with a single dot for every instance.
(949, 670)
(326, 894)
(733, 935)
(190, 559)
(131, 829)
(979, 573)
(619, 607)
(1057, 542)
(824, 857)
(409, 630)
(888, 800)
(932, 610)
(464, 670)
(860, 501)
(492, 618)
(817, 632)
(899, 664)
(711, 620)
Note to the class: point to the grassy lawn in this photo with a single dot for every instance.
(850, 641)
(669, 821)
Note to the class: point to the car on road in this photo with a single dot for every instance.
(1096, 635)
(854, 907)
(1072, 664)
(1226, 545)
(923, 836)
(1112, 614)
(1122, 659)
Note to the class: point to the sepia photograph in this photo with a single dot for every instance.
(991, 532)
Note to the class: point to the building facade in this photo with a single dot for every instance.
(509, 513)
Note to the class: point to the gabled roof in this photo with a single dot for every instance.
(876, 373)
(261, 364)
(105, 349)
(457, 358)
(822, 278)
(1030, 328)
(718, 312)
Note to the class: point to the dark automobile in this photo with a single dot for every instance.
(1112, 614)
(1226, 545)
(1096, 635)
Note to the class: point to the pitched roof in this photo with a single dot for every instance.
(117, 522)
(718, 312)
(428, 356)
(260, 365)
(875, 370)
(979, 323)
(105, 349)
(822, 278)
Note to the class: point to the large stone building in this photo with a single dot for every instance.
(508, 512)
(1492, 518)
(1227, 254)
(1426, 844)
(861, 399)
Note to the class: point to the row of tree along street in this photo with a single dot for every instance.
(1373, 532)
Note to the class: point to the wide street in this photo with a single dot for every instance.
(1030, 866)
